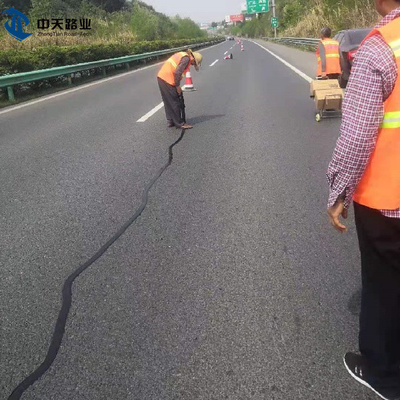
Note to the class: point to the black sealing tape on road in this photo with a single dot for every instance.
(59, 329)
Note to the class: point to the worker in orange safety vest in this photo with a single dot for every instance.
(365, 168)
(169, 79)
(328, 56)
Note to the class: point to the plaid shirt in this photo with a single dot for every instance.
(372, 79)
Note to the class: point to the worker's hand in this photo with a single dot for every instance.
(334, 213)
(179, 90)
(323, 75)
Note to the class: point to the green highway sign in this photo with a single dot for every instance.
(274, 22)
(257, 6)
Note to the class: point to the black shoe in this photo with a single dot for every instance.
(359, 370)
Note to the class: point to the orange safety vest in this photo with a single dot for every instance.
(379, 187)
(332, 57)
(167, 71)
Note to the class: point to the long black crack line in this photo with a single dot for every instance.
(59, 329)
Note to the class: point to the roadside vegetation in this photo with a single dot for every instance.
(112, 21)
(117, 28)
(305, 18)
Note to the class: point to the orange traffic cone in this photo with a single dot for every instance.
(188, 87)
(241, 47)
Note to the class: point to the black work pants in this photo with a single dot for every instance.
(171, 103)
(379, 339)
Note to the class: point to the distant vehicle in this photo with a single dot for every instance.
(349, 42)
(230, 38)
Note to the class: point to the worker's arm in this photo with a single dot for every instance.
(180, 69)
(372, 80)
(321, 49)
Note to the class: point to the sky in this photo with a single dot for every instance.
(198, 10)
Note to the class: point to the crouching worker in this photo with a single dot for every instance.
(169, 78)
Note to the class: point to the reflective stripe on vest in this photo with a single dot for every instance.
(332, 58)
(395, 47)
(171, 61)
(391, 120)
(167, 71)
(178, 57)
(379, 187)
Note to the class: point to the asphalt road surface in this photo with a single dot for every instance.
(231, 284)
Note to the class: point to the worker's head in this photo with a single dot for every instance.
(326, 33)
(195, 59)
(384, 7)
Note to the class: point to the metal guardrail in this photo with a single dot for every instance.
(296, 41)
(8, 81)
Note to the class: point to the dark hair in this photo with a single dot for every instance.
(326, 32)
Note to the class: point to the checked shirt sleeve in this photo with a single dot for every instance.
(371, 81)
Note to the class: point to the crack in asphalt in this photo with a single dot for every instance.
(59, 329)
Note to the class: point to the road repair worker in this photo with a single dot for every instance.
(366, 168)
(328, 57)
(169, 81)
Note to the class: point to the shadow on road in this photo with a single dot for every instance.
(204, 118)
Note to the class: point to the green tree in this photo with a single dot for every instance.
(188, 29)
(90, 10)
(109, 5)
(236, 30)
(20, 5)
(2, 17)
(144, 23)
(44, 9)
(166, 28)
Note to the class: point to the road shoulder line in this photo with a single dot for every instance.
(292, 67)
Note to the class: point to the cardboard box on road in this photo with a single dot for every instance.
(327, 84)
(328, 99)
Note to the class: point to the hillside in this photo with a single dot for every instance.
(112, 21)
(305, 18)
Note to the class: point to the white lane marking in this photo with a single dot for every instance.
(226, 53)
(214, 63)
(293, 68)
(150, 113)
(53, 96)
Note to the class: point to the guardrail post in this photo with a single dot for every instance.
(69, 79)
(10, 93)
(127, 66)
(103, 72)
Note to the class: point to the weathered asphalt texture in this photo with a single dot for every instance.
(230, 285)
